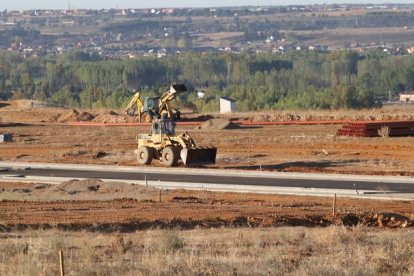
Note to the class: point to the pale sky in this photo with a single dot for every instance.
(123, 4)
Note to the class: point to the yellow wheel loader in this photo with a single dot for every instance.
(163, 145)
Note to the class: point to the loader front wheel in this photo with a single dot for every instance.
(144, 155)
(146, 117)
(169, 156)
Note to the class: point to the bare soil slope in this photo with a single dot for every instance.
(83, 205)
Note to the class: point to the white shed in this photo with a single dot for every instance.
(227, 105)
(407, 98)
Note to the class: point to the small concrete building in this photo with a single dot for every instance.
(201, 94)
(227, 105)
(407, 98)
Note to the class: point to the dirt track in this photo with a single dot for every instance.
(186, 209)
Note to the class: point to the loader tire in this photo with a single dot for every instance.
(169, 156)
(146, 117)
(144, 155)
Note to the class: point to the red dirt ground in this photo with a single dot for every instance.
(40, 137)
(191, 209)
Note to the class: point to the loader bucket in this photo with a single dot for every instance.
(178, 88)
(198, 156)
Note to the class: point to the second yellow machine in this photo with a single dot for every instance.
(150, 108)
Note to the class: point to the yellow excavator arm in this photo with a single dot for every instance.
(135, 105)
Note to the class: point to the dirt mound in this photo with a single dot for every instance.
(275, 117)
(309, 116)
(74, 115)
(78, 186)
(97, 186)
(218, 124)
(110, 117)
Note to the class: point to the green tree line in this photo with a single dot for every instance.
(301, 80)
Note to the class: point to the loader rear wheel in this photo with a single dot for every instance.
(169, 156)
(144, 155)
(146, 117)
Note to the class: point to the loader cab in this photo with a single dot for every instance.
(151, 103)
(165, 126)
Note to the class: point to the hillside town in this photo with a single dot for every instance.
(130, 33)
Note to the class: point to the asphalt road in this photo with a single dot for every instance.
(239, 179)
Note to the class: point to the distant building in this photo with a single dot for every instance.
(407, 97)
(201, 94)
(227, 105)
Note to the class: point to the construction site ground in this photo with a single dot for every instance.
(93, 205)
(41, 134)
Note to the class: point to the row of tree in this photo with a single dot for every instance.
(305, 80)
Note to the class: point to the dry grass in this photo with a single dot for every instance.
(274, 251)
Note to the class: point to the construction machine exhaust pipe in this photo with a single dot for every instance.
(198, 156)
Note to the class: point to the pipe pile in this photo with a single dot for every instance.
(377, 129)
